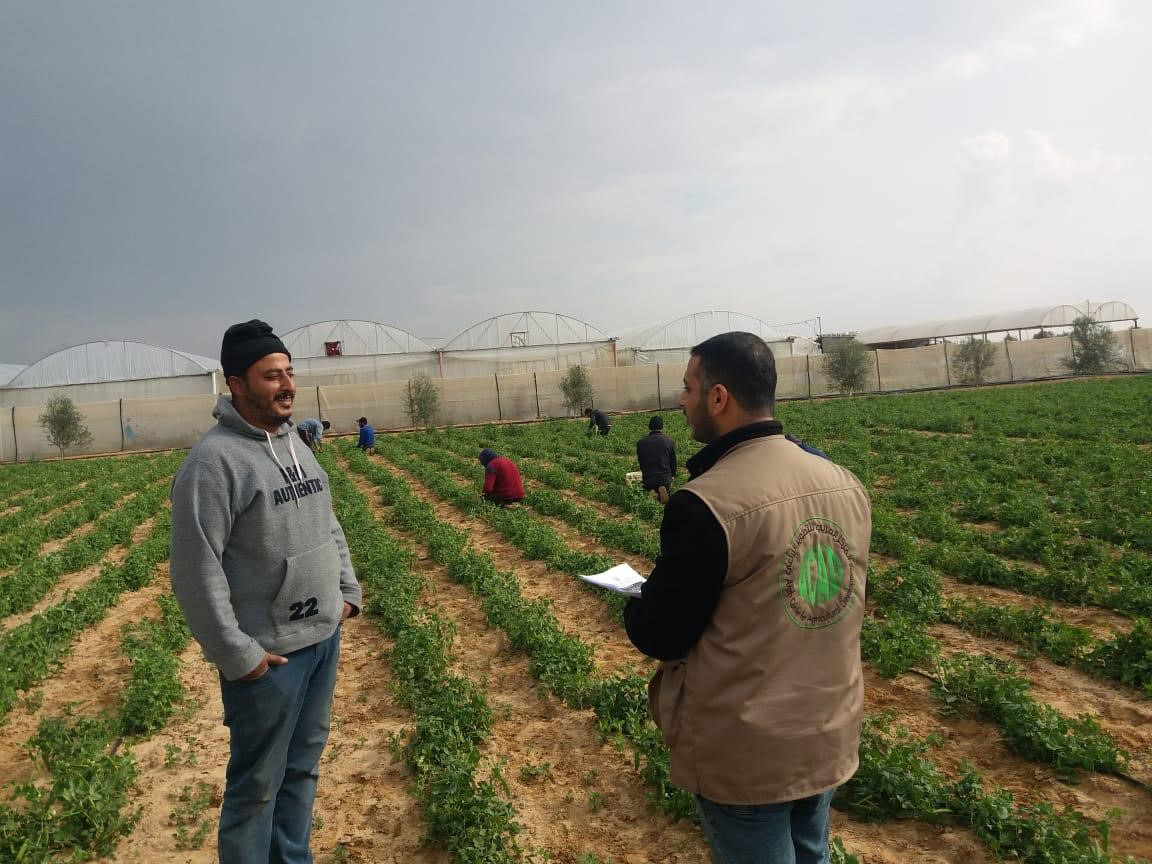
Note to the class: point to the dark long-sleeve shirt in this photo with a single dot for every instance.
(599, 420)
(680, 596)
(656, 453)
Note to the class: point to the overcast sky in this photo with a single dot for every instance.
(167, 169)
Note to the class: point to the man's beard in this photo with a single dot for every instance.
(703, 427)
(266, 410)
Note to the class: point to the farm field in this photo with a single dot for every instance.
(490, 707)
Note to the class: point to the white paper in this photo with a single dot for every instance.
(621, 578)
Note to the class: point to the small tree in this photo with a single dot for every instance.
(577, 389)
(846, 365)
(972, 361)
(1094, 348)
(423, 399)
(1043, 334)
(64, 424)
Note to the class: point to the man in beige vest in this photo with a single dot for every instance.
(754, 607)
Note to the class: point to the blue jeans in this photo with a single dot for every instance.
(279, 726)
(791, 832)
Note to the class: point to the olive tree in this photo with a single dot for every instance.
(846, 365)
(423, 400)
(577, 389)
(972, 361)
(63, 424)
(1094, 348)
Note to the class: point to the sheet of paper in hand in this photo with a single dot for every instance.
(621, 578)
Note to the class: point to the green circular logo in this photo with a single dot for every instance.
(816, 584)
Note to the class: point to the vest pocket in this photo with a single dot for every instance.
(665, 695)
(310, 596)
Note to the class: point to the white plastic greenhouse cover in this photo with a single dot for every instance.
(8, 371)
(356, 338)
(693, 329)
(523, 330)
(1023, 319)
(99, 362)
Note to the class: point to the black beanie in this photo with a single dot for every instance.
(655, 424)
(246, 343)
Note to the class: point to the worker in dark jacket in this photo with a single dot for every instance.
(598, 421)
(502, 483)
(656, 453)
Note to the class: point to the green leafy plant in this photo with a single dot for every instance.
(972, 360)
(63, 424)
(576, 387)
(846, 366)
(1094, 348)
(423, 400)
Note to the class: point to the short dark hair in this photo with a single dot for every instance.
(325, 424)
(744, 364)
(363, 421)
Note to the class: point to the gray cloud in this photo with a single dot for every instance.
(171, 168)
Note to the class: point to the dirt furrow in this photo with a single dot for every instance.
(578, 610)
(363, 811)
(970, 741)
(1123, 713)
(1102, 623)
(70, 583)
(573, 794)
(88, 680)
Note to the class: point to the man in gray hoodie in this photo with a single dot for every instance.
(260, 568)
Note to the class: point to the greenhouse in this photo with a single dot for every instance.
(519, 342)
(8, 371)
(672, 341)
(1018, 324)
(102, 371)
(354, 351)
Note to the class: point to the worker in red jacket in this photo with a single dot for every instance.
(502, 483)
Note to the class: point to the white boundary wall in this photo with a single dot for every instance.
(131, 424)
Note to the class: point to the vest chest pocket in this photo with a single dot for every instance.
(310, 595)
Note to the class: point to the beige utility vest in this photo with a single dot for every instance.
(766, 706)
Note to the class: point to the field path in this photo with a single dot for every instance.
(362, 801)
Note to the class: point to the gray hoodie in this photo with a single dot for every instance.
(259, 563)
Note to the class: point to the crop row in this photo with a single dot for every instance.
(82, 810)
(1126, 658)
(911, 592)
(1035, 731)
(32, 650)
(451, 715)
(21, 589)
(17, 480)
(19, 530)
(1032, 832)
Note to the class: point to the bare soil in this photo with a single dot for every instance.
(89, 679)
(362, 802)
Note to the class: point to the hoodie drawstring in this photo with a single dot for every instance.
(299, 473)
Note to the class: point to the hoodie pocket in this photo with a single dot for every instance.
(310, 596)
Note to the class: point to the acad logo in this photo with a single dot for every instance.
(817, 580)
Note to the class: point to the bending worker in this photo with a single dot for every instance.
(656, 453)
(502, 482)
(755, 607)
(598, 421)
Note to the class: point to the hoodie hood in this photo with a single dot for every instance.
(228, 417)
